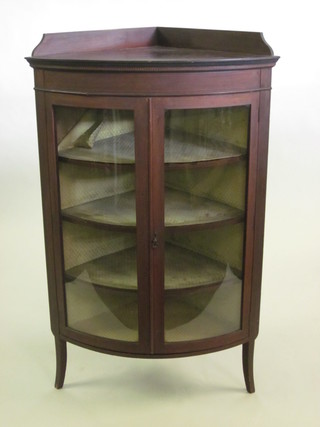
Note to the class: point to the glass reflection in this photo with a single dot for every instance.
(205, 182)
(97, 194)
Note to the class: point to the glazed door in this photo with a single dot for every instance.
(204, 152)
(102, 173)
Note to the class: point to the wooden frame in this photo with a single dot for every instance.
(55, 233)
(150, 71)
(157, 180)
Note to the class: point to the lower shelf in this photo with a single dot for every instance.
(88, 313)
(192, 282)
(220, 316)
(184, 269)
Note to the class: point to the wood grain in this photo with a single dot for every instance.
(150, 71)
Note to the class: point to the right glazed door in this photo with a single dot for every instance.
(207, 149)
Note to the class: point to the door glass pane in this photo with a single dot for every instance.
(205, 182)
(96, 152)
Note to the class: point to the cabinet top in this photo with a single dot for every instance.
(152, 48)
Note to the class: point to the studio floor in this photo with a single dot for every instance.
(202, 391)
(103, 390)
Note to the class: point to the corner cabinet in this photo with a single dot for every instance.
(153, 156)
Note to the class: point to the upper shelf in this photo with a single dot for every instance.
(152, 47)
(179, 148)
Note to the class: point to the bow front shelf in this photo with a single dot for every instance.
(153, 161)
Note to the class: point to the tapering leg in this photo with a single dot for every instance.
(247, 363)
(61, 360)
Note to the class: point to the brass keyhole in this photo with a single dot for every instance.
(154, 241)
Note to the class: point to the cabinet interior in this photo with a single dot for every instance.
(204, 187)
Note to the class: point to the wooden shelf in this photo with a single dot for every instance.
(151, 47)
(114, 314)
(184, 270)
(181, 210)
(186, 210)
(112, 211)
(95, 317)
(187, 148)
(180, 148)
(219, 316)
(115, 150)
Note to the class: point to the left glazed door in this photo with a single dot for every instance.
(100, 147)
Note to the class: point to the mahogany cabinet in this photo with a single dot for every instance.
(153, 156)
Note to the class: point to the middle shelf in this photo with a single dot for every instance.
(181, 210)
